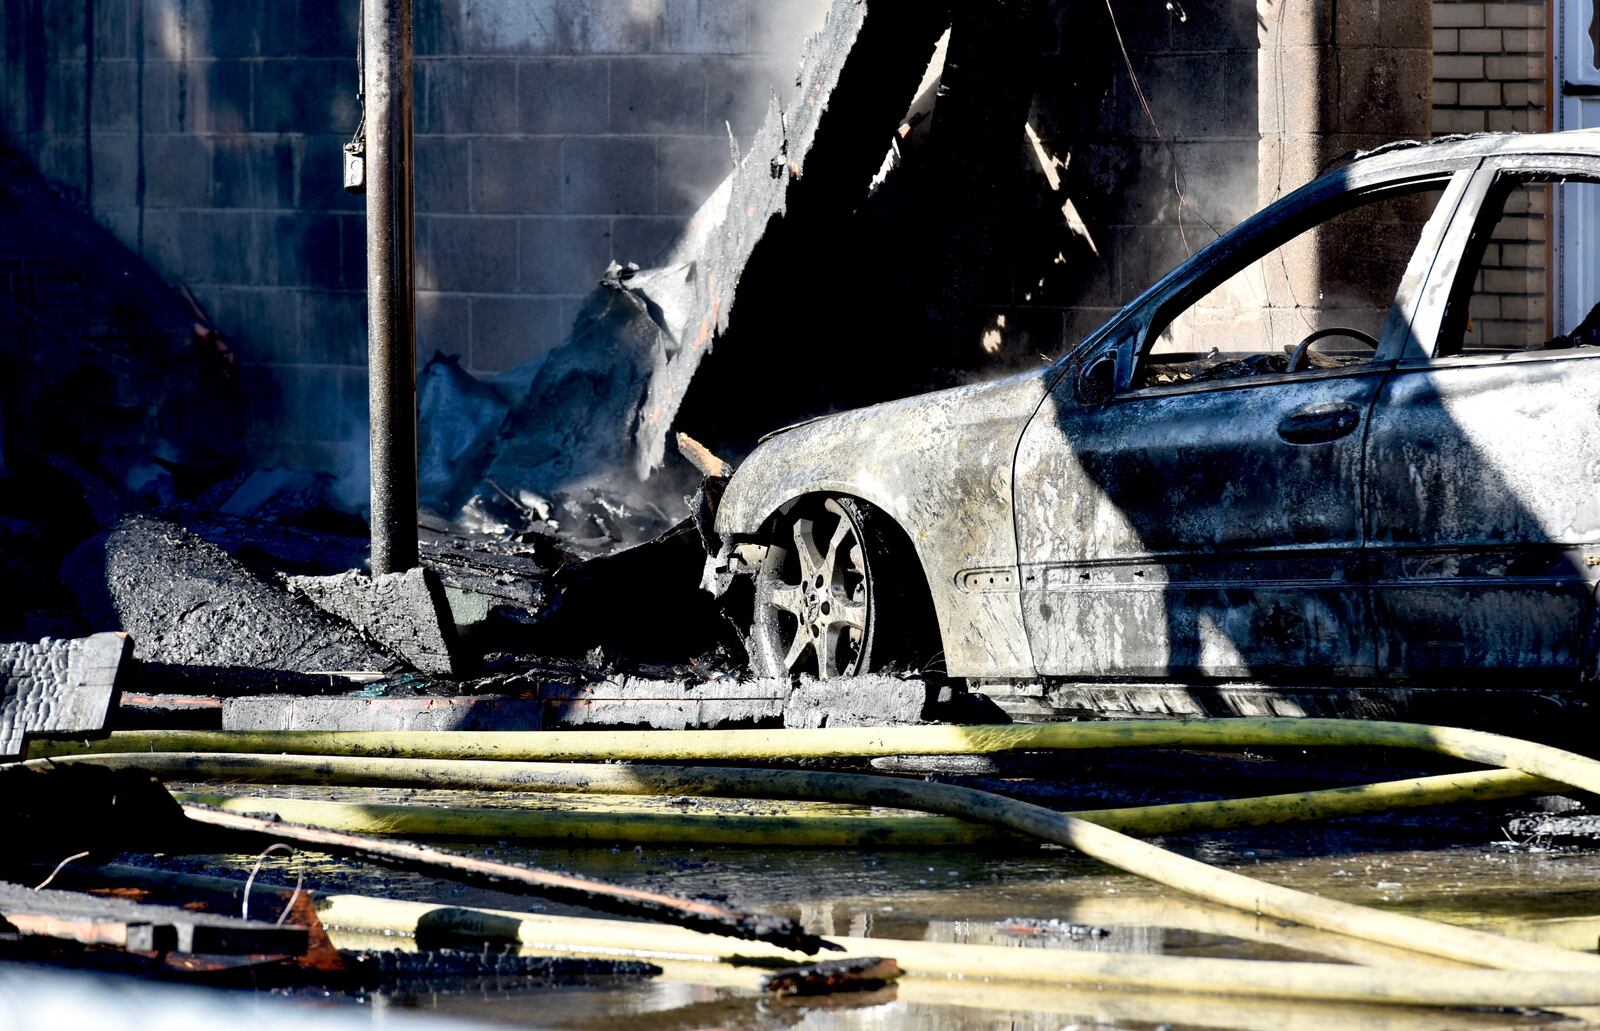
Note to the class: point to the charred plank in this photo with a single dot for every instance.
(864, 974)
(140, 927)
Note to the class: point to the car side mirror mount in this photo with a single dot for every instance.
(1097, 380)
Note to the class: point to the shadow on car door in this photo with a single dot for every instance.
(1429, 514)
(1207, 520)
(1484, 464)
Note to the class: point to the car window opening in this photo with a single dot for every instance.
(1316, 303)
(1505, 300)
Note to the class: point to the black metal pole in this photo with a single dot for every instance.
(391, 233)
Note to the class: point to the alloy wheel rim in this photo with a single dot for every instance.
(827, 603)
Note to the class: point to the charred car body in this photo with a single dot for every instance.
(1222, 501)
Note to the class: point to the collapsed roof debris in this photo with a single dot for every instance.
(600, 407)
(101, 361)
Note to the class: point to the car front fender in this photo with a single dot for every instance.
(940, 466)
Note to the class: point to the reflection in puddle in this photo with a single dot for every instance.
(1022, 897)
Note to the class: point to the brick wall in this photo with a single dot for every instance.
(1491, 71)
(1491, 63)
(553, 136)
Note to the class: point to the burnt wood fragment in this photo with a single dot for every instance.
(140, 927)
(866, 974)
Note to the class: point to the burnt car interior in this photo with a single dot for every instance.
(1359, 252)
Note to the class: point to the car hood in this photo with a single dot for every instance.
(900, 455)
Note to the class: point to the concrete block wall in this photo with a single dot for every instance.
(1150, 187)
(552, 136)
(1509, 308)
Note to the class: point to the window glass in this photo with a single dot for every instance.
(1509, 304)
(1332, 285)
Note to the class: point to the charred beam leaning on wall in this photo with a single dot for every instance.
(391, 231)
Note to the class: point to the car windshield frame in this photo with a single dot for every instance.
(1279, 222)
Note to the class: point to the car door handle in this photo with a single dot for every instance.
(1320, 423)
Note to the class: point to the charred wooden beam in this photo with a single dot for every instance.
(865, 974)
(598, 895)
(140, 927)
(57, 687)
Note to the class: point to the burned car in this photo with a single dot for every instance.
(1351, 441)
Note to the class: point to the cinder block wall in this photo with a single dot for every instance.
(553, 136)
(1151, 187)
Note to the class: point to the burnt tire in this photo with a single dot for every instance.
(838, 594)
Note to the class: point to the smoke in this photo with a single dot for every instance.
(740, 89)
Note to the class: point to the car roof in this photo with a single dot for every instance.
(1462, 149)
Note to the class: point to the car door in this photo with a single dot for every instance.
(1483, 460)
(1211, 527)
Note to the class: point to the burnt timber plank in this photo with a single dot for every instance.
(93, 920)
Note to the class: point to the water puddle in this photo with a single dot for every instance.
(1021, 897)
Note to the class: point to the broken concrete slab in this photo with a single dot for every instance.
(623, 701)
(407, 613)
(667, 705)
(276, 712)
(187, 603)
(57, 687)
(865, 701)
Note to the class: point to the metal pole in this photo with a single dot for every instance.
(391, 313)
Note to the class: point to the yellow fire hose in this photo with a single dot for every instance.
(862, 742)
(1146, 860)
(1029, 1001)
(633, 813)
(1583, 970)
(1425, 986)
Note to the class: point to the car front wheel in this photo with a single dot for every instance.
(817, 595)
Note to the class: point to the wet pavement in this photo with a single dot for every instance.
(1022, 896)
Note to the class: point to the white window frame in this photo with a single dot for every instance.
(1576, 253)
